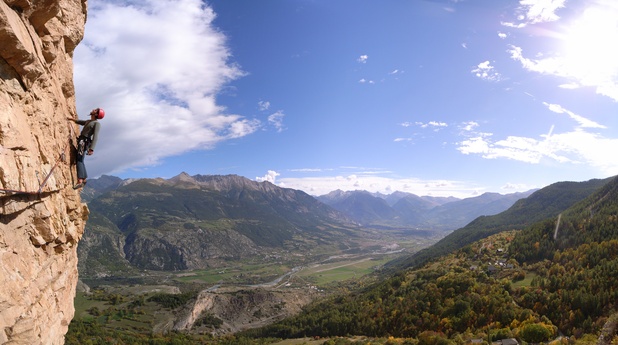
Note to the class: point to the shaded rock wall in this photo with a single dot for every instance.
(38, 231)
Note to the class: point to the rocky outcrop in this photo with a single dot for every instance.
(41, 216)
(241, 309)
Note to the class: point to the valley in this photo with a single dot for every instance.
(237, 253)
(269, 288)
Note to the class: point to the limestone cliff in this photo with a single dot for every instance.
(39, 229)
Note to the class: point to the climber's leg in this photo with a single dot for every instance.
(81, 171)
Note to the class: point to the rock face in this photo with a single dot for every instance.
(39, 230)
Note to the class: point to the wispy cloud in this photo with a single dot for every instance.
(362, 59)
(276, 120)
(575, 147)
(398, 140)
(546, 66)
(582, 121)
(469, 126)
(263, 105)
(432, 124)
(156, 67)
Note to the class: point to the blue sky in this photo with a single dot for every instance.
(434, 97)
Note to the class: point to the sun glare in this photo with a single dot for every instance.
(591, 49)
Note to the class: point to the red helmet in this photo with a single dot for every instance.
(100, 113)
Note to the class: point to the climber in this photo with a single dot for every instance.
(86, 142)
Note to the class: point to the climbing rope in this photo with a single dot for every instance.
(42, 184)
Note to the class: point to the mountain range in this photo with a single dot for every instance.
(401, 209)
(195, 222)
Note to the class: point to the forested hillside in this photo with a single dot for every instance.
(577, 256)
(543, 204)
(595, 219)
(455, 298)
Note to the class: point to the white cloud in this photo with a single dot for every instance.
(536, 11)
(545, 66)
(583, 122)
(486, 71)
(156, 67)
(271, 176)
(375, 183)
(604, 80)
(541, 11)
(241, 128)
(474, 145)
(434, 124)
(513, 25)
(351, 178)
(276, 119)
(469, 126)
(362, 59)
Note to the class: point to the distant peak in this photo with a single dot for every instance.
(183, 177)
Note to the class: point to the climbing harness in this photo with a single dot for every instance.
(82, 144)
(61, 158)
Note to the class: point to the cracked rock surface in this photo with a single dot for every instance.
(41, 217)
